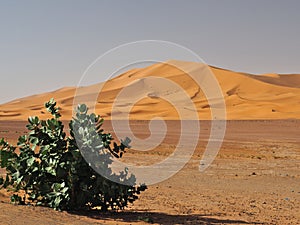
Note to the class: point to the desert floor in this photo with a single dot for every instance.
(255, 179)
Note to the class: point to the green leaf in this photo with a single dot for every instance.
(7, 181)
(58, 176)
(30, 161)
(30, 120)
(57, 201)
(19, 180)
(126, 142)
(22, 140)
(64, 190)
(36, 120)
(50, 170)
(35, 169)
(30, 127)
(44, 150)
(34, 140)
(15, 198)
(6, 157)
(82, 108)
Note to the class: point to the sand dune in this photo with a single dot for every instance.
(166, 90)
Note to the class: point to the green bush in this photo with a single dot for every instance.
(52, 170)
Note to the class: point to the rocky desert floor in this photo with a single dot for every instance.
(255, 179)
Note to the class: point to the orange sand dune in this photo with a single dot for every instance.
(246, 96)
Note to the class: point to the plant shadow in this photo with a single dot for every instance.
(158, 218)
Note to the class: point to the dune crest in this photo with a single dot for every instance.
(247, 97)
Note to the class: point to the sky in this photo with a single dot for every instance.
(48, 44)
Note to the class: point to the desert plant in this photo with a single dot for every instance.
(55, 170)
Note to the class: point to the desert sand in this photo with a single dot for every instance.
(254, 179)
(269, 96)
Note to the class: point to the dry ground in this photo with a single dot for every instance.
(254, 180)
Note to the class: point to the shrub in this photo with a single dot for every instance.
(51, 168)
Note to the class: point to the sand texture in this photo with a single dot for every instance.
(254, 180)
(167, 90)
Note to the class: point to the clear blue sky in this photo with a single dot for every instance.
(45, 45)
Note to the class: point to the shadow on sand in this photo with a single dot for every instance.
(158, 218)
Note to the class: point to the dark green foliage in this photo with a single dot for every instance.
(53, 171)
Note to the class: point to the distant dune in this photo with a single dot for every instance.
(254, 97)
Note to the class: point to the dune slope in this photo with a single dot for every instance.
(167, 90)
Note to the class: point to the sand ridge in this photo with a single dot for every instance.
(247, 96)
